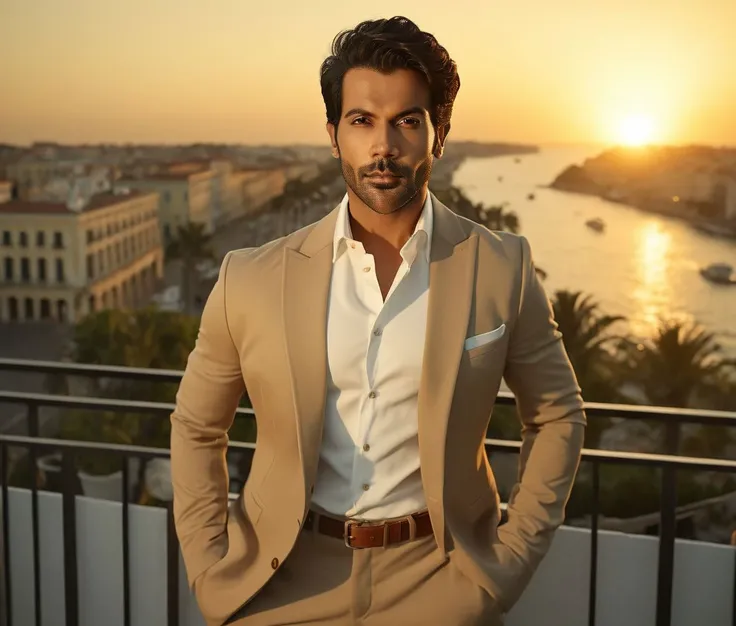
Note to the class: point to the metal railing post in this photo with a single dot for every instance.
(6, 615)
(69, 502)
(593, 580)
(667, 533)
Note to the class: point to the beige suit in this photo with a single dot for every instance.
(263, 328)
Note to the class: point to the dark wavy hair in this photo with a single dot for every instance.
(386, 45)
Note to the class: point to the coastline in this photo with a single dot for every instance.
(457, 152)
(575, 180)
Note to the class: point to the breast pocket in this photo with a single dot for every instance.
(480, 344)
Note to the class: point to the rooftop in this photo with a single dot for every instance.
(125, 566)
(98, 201)
(167, 176)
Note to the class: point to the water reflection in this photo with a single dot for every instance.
(653, 264)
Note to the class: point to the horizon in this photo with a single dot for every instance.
(325, 144)
(167, 73)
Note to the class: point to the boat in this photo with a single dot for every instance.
(719, 273)
(531, 196)
(596, 224)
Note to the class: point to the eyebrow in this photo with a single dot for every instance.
(411, 111)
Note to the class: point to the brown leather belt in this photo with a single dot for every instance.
(357, 534)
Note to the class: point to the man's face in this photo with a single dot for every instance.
(385, 137)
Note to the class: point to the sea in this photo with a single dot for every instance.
(642, 266)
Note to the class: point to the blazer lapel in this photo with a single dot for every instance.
(451, 288)
(306, 287)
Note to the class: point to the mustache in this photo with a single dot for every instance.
(384, 166)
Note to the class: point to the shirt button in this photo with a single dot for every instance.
(366, 447)
(366, 487)
(372, 395)
(366, 269)
(377, 332)
(352, 245)
(275, 563)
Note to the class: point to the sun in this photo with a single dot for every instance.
(636, 130)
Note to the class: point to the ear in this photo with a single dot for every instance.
(439, 141)
(332, 132)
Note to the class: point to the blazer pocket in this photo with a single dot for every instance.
(485, 338)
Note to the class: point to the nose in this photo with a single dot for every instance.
(385, 142)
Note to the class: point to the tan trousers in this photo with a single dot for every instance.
(323, 582)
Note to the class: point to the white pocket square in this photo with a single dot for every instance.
(484, 338)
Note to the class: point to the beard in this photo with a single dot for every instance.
(387, 198)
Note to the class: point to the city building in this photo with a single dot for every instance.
(62, 260)
(185, 196)
(6, 191)
(32, 173)
(260, 186)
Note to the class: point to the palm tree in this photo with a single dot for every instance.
(589, 345)
(497, 218)
(494, 217)
(190, 246)
(681, 362)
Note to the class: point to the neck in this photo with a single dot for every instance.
(394, 229)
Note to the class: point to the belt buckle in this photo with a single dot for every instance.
(346, 532)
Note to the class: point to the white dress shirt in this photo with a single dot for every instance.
(369, 460)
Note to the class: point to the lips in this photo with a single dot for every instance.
(383, 178)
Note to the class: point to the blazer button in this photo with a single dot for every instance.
(275, 563)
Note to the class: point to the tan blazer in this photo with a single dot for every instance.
(263, 328)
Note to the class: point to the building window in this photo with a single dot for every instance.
(23, 239)
(58, 240)
(7, 238)
(25, 270)
(90, 236)
(9, 269)
(29, 309)
(61, 310)
(60, 270)
(167, 197)
(109, 258)
(92, 304)
(42, 270)
(45, 309)
(101, 262)
(90, 267)
(13, 309)
(41, 239)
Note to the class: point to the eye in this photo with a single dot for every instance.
(358, 119)
(413, 121)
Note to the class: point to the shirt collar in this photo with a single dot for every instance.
(422, 235)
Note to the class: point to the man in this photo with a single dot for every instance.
(372, 345)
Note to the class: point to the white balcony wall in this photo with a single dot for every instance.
(557, 596)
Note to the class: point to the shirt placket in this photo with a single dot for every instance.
(363, 267)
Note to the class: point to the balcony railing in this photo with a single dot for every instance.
(35, 444)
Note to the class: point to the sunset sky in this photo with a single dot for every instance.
(241, 71)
